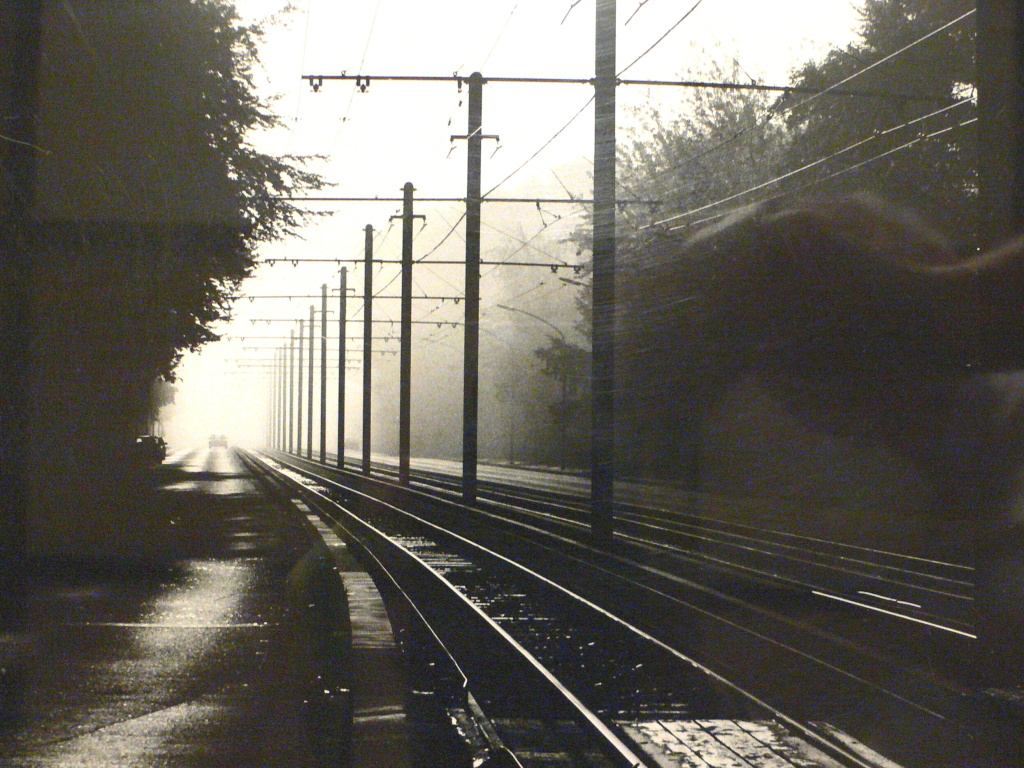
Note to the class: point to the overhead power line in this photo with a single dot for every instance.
(528, 200)
(886, 58)
(501, 34)
(835, 174)
(363, 82)
(888, 152)
(813, 164)
(660, 39)
(832, 89)
(635, 11)
(574, 4)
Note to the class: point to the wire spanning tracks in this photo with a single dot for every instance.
(622, 634)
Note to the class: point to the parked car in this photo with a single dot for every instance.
(218, 441)
(152, 449)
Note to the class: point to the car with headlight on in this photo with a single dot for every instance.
(151, 449)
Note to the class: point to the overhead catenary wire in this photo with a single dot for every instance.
(776, 108)
(814, 163)
(838, 173)
(884, 59)
(501, 33)
(888, 152)
(529, 243)
(302, 60)
(507, 261)
(570, 9)
(528, 291)
(453, 228)
(657, 42)
(542, 147)
(316, 80)
(351, 98)
(635, 11)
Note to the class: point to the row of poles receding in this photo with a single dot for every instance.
(291, 407)
(287, 419)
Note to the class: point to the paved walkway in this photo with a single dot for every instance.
(215, 657)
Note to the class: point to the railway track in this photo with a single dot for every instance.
(768, 650)
(934, 594)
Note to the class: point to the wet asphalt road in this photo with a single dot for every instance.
(200, 658)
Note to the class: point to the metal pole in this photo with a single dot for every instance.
(367, 346)
(283, 418)
(323, 373)
(298, 426)
(278, 405)
(276, 442)
(342, 351)
(1000, 73)
(309, 414)
(405, 361)
(291, 389)
(602, 477)
(999, 536)
(274, 382)
(271, 409)
(281, 388)
(471, 356)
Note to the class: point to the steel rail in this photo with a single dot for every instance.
(757, 541)
(624, 754)
(651, 517)
(836, 749)
(947, 623)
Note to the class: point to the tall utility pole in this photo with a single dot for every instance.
(1000, 79)
(342, 351)
(279, 422)
(274, 400)
(298, 423)
(405, 354)
(309, 399)
(282, 396)
(367, 346)
(323, 371)
(1000, 71)
(283, 418)
(291, 389)
(271, 405)
(602, 474)
(471, 357)
(271, 411)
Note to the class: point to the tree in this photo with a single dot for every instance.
(568, 364)
(141, 215)
(721, 143)
(904, 126)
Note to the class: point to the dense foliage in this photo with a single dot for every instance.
(153, 231)
(904, 126)
(892, 112)
(142, 209)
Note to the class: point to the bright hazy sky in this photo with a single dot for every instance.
(374, 142)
